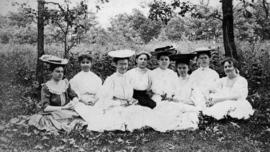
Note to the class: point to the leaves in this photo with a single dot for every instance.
(38, 147)
(57, 149)
(2, 127)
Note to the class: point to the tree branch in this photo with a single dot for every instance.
(60, 26)
(266, 9)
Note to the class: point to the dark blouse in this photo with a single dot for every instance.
(49, 97)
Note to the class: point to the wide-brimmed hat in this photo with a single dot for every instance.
(51, 59)
(183, 58)
(204, 50)
(121, 53)
(143, 52)
(167, 50)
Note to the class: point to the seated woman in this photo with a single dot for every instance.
(184, 92)
(230, 96)
(57, 100)
(140, 80)
(168, 115)
(86, 83)
(119, 109)
(204, 78)
(163, 79)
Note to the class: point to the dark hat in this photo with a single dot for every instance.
(167, 50)
(203, 50)
(182, 58)
(50, 59)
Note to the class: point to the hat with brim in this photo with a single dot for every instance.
(50, 59)
(203, 50)
(182, 58)
(143, 52)
(167, 51)
(121, 53)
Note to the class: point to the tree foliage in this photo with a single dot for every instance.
(134, 28)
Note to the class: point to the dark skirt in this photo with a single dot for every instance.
(144, 99)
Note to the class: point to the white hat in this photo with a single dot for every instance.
(143, 52)
(121, 53)
(53, 59)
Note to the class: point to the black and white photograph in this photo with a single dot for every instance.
(134, 75)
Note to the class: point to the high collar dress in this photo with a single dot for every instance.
(239, 108)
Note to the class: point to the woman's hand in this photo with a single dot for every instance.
(129, 102)
(133, 101)
(89, 99)
(69, 106)
(210, 102)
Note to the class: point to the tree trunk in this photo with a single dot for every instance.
(66, 53)
(227, 27)
(40, 41)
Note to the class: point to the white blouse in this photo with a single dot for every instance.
(237, 86)
(117, 85)
(163, 81)
(86, 82)
(139, 78)
(184, 90)
(204, 78)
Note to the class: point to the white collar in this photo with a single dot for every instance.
(119, 74)
(63, 85)
(184, 78)
(204, 69)
(162, 69)
(142, 70)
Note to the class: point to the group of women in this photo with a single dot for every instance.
(162, 99)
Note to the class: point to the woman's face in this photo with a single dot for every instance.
(86, 65)
(204, 60)
(228, 68)
(58, 73)
(164, 62)
(142, 61)
(182, 69)
(122, 66)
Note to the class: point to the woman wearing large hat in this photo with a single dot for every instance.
(58, 100)
(184, 90)
(204, 78)
(167, 115)
(163, 79)
(120, 111)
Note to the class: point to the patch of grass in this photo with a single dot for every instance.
(216, 137)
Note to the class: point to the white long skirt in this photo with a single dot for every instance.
(168, 116)
(113, 117)
(240, 109)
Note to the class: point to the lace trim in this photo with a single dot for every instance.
(58, 92)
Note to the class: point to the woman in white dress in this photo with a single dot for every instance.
(168, 115)
(163, 79)
(229, 99)
(86, 83)
(204, 78)
(119, 109)
(140, 80)
(184, 91)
